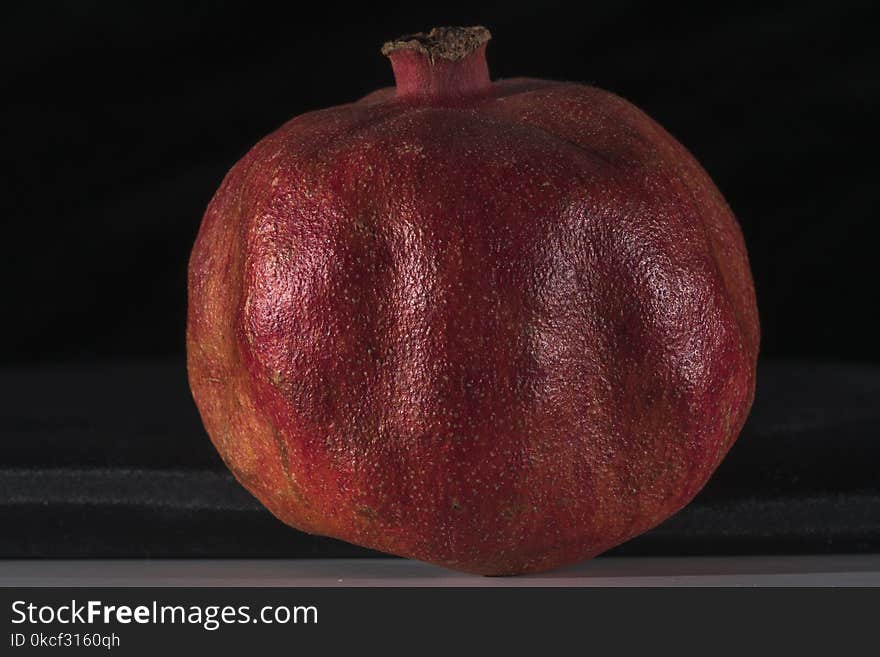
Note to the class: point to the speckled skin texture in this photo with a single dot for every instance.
(500, 330)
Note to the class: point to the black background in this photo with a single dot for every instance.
(120, 119)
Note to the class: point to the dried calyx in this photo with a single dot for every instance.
(449, 43)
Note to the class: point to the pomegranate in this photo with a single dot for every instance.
(496, 326)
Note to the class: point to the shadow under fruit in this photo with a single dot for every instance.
(498, 327)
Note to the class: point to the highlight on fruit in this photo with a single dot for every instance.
(499, 326)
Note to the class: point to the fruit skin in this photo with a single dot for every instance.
(499, 331)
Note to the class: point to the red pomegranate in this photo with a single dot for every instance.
(498, 327)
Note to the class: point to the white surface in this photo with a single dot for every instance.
(836, 570)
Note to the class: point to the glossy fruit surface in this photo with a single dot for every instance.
(494, 326)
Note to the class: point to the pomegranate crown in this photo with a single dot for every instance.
(446, 62)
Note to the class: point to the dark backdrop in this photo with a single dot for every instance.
(120, 119)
